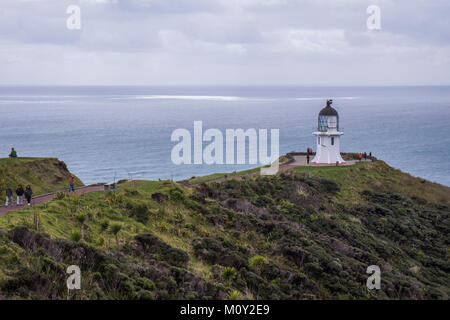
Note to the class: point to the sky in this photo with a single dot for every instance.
(225, 42)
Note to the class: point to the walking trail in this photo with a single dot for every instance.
(299, 161)
(47, 197)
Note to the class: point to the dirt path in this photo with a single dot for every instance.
(47, 197)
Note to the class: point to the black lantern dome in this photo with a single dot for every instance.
(328, 110)
(328, 118)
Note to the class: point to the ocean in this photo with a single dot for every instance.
(110, 133)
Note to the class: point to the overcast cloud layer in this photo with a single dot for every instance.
(225, 42)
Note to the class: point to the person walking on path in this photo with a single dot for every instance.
(360, 157)
(365, 156)
(19, 194)
(28, 194)
(9, 197)
(307, 159)
(71, 185)
(13, 153)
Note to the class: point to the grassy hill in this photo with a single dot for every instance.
(307, 233)
(43, 174)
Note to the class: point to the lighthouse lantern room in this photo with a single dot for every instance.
(328, 137)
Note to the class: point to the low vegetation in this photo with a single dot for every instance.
(306, 233)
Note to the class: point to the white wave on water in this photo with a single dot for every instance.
(180, 97)
(35, 101)
(58, 100)
(222, 98)
(325, 98)
(56, 96)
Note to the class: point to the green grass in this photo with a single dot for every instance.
(378, 176)
(220, 176)
(223, 175)
(372, 175)
(148, 186)
(58, 217)
(270, 225)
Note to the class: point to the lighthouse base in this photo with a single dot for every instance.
(327, 153)
(327, 157)
(328, 148)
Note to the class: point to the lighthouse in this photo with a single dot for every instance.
(328, 137)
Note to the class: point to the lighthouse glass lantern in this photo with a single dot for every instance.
(328, 137)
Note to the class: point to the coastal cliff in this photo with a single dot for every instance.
(44, 175)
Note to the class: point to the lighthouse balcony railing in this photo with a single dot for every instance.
(316, 129)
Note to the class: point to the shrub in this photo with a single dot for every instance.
(75, 236)
(314, 268)
(150, 244)
(263, 201)
(162, 212)
(285, 206)
(229, 273)
(146, 284)
(104, 225)
(126, 284)
(114, 198)
(176, 195)
(191, 204)
(60, 195)
(235, 295)
(329, 186)
(81, 218)
(75, 198)
(139, 211)
(213, 251)
(3, 250)
(257, 261)
(100, 241)
(115, 229)
(159, 197)
(144, 295)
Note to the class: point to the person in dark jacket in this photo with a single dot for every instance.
(307, 158)
(28, 194)
(9, 197)
(19, 194)
(365, 156)
(13, 153)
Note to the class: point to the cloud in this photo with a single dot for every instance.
(224, 42)
(317, 41)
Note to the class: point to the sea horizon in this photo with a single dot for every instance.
(137, 121)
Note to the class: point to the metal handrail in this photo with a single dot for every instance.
(316, 129)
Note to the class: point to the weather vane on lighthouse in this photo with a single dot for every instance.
(328, 137)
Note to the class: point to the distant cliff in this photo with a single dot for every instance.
(43, 174)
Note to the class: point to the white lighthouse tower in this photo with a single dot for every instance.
(328, 137)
